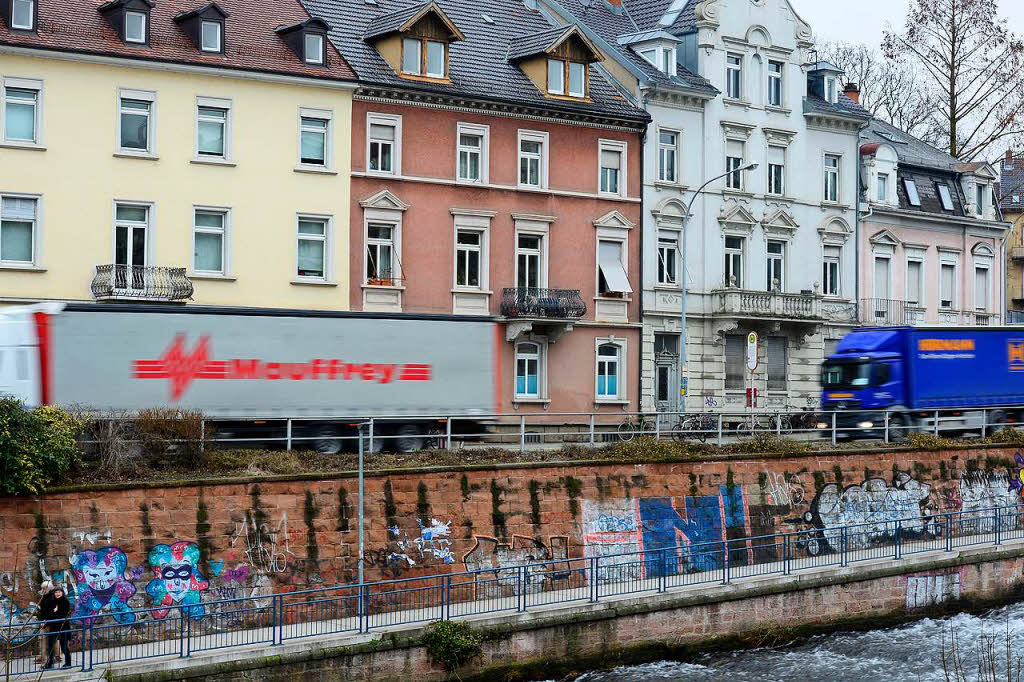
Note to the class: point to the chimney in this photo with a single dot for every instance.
(614, 5)
(852, 91)
(1009, 155)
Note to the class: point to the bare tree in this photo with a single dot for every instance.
(973, 66)
(890, 90)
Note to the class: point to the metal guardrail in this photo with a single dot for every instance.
(560, 304)
(181, 631)
(141, 282)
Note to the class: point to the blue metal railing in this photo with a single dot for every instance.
(272, 619)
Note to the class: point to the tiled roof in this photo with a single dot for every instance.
(250, 42)
(535, 43)
(928, 183)
(646, 13)
(389, 23)
(1011, 184)
(479, 66)
(844, 106)
(909, 149)
(609, 25)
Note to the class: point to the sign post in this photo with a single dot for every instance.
(752, 345)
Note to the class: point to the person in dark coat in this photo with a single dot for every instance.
(55, 610)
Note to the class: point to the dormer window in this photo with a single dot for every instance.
(308, 40)
(313, 52)
(567, 78)
(556, 60)
(211, 36)
(23, 15)
(424, 57)
(415, 40)
(831, 90)
(130, 18)
(135, 27)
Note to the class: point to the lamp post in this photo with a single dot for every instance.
(681, 248)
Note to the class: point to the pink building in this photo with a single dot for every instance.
(497, 174)
(932, 242)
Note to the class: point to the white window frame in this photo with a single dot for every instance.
(945, 198)
(568, 84)
(951, 259)
(406, 43)
(392, 244)
(882, 187)
(484, 133)
(562, 88)
(620, 148)
(731, 168)
(674, 149)
(831, 89)
(913, 193)
(771, 172)
(533, 136)
(150, 227)
(919, 258)
(394, 121)
(225, 232)
(533, 229)
(981, 196)
(216, 103)
(481, 228)
(827, 278)
(730, 70)
(732, 252)
(986, 265)
(145, 21)
(668, 243)
(886, 255)
(620, 367)
(320, 56)
(146, 96)
(36, 232)
(623, 242)
(31, 17)
(770, 258)
(323, 115)
(830, 171)
(220, 36)
(23, 84)
(328, 241)
(781, 78)
(542, 374)
(426, 62)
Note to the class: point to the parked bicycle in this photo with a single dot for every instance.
(637, 425)
(696, 426)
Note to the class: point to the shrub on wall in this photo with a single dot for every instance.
(166, 430)
(451, 643)
(37, 447)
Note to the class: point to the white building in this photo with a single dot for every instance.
(771, 250)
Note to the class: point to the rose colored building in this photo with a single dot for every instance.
(497, 173)
(932, 245)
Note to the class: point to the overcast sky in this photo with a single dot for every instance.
(863, 21)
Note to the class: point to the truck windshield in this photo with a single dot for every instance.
(845, 374)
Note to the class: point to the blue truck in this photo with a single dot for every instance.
(974, 377)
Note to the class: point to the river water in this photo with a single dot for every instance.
(911, 653)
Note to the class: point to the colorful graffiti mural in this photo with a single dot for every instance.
(104, 585)
(177, 580)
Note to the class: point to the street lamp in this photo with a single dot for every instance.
(681, 248)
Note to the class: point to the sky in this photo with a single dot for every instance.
(863, 21)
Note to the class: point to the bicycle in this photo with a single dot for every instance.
(697, 426)
(638, 424)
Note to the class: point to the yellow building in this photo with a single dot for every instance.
(162, 151)
(1011, 202)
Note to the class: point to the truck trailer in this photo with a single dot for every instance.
(974, 377)
(249, 370)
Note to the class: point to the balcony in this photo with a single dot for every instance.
(140, 283)
(1017, 253)
(884, 312)
(554, 309)
(768, 304)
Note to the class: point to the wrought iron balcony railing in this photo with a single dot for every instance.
(886, 312)
(556, 304)
(141, 282)
(1017, 253)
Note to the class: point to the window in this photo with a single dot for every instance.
(981, 288)
(733, 162)
(211, 36)
(609, 382)
(21, 114)
(915, 274)
(532, 159)
(734, 261)
(383, 150)
(882, 282)
(776, 265)
(313, 48)
(774, 83)
(912, 196)
(882, 187)
(472, 153)
(947, 285)
(211, 130)
(776, 350)
(668, 259)
(980, 195)
(735, 362)
(23, 15)
(734, 76)
(468, 258)
(611, 269)
(134, 122)
(567, 78)
(945, 197)
(528, 370)
(18, 222)
(135, 27)
(131, 248)
(311, 256)
(831, 90)
(314, 138)
(380, 254)
(424, 57)
(831, 278)
(776, 170)
(209, 241)
(668, 153)
(611, 176)
(529, 261)
(832, 178)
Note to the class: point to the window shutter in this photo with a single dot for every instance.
(19, 208)
(776, 351)
(380, 132)
(777, 155)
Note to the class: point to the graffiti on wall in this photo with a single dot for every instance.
(176, 581)
(104, 584)
(266, 547)
(498, 561)
(931, 589)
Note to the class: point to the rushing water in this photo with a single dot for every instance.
(911, 653)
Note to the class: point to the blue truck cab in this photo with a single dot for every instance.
(914, 371)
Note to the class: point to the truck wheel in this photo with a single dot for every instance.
(327, 440)
(408, 438)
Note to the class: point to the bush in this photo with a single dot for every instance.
(769, 443)
(1007, 436)
(165, 430)
(37, 447)
(451, 644)
(929, 441)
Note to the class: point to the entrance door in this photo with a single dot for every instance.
(130, 234)
(666, 372)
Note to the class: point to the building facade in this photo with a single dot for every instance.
(769, 250)
(173, 152)
(496, 173)
(932, 242)
(1011, 203)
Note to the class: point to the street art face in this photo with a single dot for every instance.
(177, 580)
(103, 585)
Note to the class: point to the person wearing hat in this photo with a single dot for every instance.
(55, 610)
(44, 590)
